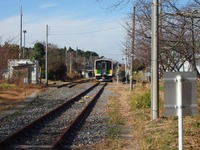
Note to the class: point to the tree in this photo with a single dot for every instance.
(178, 34)
(7, 51)
(38, 53)
(56, 63)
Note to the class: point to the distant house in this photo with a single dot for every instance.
(188, 67)
(23, 68)
(88, 71)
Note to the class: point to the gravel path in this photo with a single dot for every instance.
(92, 132)
(39, 106)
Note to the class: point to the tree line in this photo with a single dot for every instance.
(59, 59)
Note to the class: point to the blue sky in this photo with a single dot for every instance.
(85, 24)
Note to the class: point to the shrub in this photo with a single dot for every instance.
(142, 100)
(6, 86)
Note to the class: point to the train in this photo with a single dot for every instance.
(103, 69)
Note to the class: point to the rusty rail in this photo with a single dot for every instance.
(22, 131)
(76, 121)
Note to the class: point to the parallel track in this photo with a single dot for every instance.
(34, 125)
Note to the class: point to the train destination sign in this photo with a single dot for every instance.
(180, 85)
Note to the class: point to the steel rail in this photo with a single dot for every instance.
(22, 131)
(72, 83)
(76, 121)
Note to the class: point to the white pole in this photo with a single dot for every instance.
(20, 39)
(154, 62)
(180, 110)
(24, 42)
(131, 73)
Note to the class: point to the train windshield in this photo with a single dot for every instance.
(103, 64)
(108, 64)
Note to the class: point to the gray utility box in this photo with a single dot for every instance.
(189, 93)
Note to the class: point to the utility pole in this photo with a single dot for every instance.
(46, 62)
(132, 52)
(20, 39)
(66, 58)
(24, 42)
(126, 70)
(154, 62)
(70, 62)
(76, 55)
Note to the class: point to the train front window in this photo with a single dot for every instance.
(108, 65)
(103, 65)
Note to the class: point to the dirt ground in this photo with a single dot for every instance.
(129, 140)
(10, 97)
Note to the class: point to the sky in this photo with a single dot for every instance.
(84, 24)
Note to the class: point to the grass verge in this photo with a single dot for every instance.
(162, 133)
(113, 142)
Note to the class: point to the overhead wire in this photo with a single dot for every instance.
(85, 28)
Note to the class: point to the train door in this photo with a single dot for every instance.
(103, 68)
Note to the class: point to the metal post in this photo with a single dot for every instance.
(154, 62)
(46, 62)
(118, 73)
(132, 53)
(131, 73)
(20, 44)
(180, 110)
(126, 69)
(24, 42)
(66, 59)
(25, 81)
(70, 62)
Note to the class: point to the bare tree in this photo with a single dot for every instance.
(7, 51)
(178, 34)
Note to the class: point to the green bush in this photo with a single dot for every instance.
(6, 86)
(142, 101)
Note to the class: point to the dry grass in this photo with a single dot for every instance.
(160, 134)
(163, 132)
(11, 95)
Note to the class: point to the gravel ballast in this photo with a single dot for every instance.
(93, 130)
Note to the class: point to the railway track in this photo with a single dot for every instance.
(48, 131)
(74, 83)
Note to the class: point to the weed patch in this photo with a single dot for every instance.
(115, 117)
(141, 100)
(6, 86)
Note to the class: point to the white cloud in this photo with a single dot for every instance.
(9, 28)
(49, 5)
(105, 42)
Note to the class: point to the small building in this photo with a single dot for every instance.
(23, 68)
(88, 71)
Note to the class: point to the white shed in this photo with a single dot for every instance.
(33, 68)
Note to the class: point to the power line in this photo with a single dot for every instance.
(87, 32)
